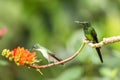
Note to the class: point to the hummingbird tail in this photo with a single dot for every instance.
(99, 54)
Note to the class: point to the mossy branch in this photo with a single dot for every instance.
(105, 41)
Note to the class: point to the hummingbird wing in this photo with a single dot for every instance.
(94, 34)
(55, 58)
(52, 55)
(96, 41)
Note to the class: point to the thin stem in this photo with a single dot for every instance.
(60, 62)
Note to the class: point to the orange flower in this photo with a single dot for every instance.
(20, 56)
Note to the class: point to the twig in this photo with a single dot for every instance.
(60, 62)
(104, 42)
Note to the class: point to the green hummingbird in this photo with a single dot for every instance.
(47, 54)
(91, 35)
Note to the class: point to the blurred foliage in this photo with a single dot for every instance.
(51, 23)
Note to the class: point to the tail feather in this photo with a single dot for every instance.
(99, 54)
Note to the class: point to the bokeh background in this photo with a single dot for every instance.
(51, 23)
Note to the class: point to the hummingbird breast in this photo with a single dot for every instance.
(88, 34)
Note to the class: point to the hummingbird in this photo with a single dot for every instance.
(91, 35)
(47, 54)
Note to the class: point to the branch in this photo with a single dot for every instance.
(60, 62)
(104, 42)
(100, 44)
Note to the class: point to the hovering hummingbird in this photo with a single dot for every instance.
(51, 58)
(91, 35)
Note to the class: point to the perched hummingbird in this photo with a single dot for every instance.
(51, 58)
(91, 35)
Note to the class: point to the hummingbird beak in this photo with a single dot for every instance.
(37, 50)
(78, 22)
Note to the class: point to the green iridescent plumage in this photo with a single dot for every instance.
(91, 35)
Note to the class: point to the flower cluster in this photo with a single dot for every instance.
(20, 56)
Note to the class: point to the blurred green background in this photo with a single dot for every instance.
(51, 23)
